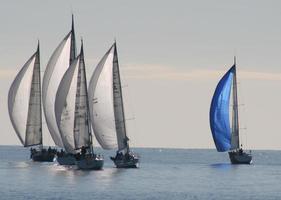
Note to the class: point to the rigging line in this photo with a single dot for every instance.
(129, 96)
(243, 119)
(130, 104)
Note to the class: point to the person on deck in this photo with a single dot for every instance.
(49, 150)
(83, 151)
(241, 151)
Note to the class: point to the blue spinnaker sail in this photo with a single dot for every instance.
(219, 112)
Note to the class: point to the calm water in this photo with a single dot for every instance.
(163, 174)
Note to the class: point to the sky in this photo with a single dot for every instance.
(171, 55)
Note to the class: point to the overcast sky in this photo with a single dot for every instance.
(171, 54)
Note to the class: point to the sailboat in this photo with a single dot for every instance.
(24, 105)
(73, 117)
(107, 110)
(59, 62)
(226, 138)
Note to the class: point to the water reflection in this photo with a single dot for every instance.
(72, 175)
(20, 165)
(223, 166)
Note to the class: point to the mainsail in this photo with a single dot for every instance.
(24, 102)
(59, 62)
(71, 106)
(219, 112)
(106, 103)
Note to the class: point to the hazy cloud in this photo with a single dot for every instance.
(157, 72)
(7, 73)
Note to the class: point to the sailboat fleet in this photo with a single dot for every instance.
(76, 113)
(70, 112)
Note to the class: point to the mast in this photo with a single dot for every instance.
(73, 42)
(37, 60)
(116, 88)
(235, 122)
(87, 99)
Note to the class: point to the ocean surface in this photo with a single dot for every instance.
(170, 174)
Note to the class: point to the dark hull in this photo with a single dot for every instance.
(90, 162)
(42, 157)
(66, 159)
(125, 163)
(240, 158)
(129, 160)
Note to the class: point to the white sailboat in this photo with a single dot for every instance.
(107, 110)
(73, 117)
(24, 105)
(59, 62)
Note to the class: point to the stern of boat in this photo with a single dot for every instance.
(130, 161)
(43, 155)
(90, 162)
(66, 159)
(237, 157)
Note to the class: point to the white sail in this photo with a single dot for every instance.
(101, 102)
(106, 106)
(56, 68)
(24, 103)
(72, 108)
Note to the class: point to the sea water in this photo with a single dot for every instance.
(166, 174)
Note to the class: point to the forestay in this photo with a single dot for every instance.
(24, 103)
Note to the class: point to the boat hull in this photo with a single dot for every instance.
(42, 156)
(66, 159)
(126, 163)
(90, 162)
(129, 160)
(240, 158)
